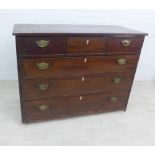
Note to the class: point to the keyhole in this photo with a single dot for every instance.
(85, 60)
(87, 42)
(82, 79)
(81, 98)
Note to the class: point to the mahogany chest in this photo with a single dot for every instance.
(70, 70)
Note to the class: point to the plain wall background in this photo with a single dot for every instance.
(142, 20)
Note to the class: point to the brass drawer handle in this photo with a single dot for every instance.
(43, 86)
(113, 98)
(42, 65)
(42, 43)
(126, 43)
(43, 107)
(117, 80)
(122, 61)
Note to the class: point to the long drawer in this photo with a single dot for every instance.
(69, 106)
(67, 66)
(58, 87)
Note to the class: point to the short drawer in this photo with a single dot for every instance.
(37, 46)
(86, 45)
(36, 110)
(47, 88)
(125, 44)
(53, 67)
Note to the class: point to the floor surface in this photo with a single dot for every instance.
(136, 126)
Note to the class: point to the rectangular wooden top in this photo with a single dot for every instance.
(61, 29)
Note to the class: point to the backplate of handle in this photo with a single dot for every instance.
(122, 61)
(43, 107)
(113, 98)
(42, 43)
(42, 65)
(43, 86)
(117, 80)
(126, 43)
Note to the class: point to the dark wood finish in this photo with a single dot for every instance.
(78, 85)
(66, 29)
(70, 70)
(87, 44)
(75, 66)
(72, 106)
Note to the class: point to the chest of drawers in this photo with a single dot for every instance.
(71, 70)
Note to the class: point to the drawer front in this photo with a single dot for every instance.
(47, 88)
(70, 106)
(35, 46)
(125, 44)
(86, 44)
(52, 67)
